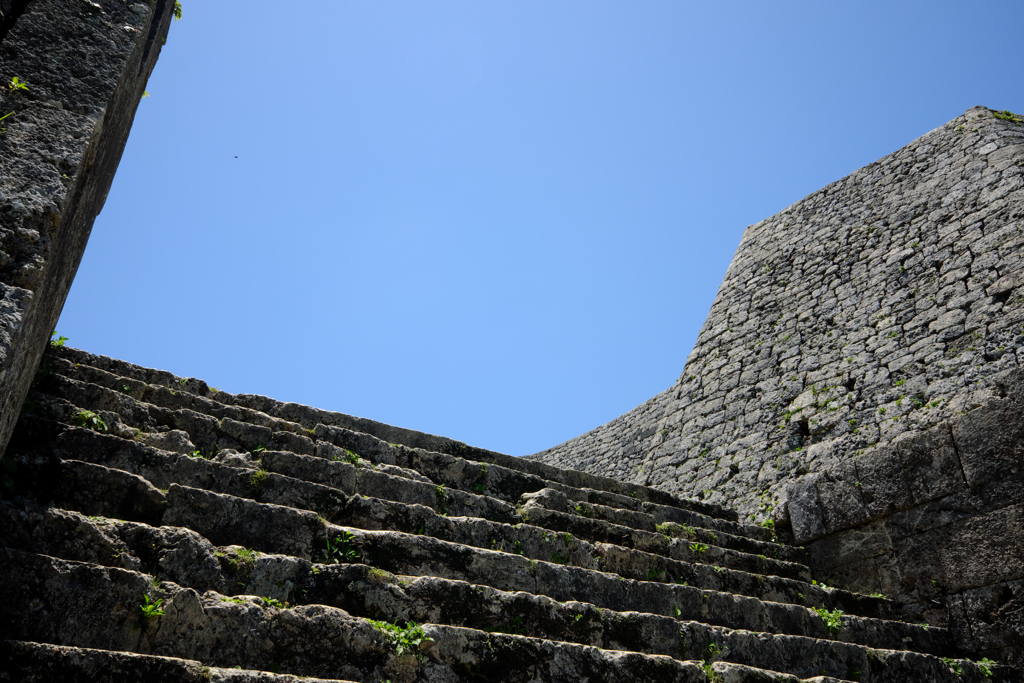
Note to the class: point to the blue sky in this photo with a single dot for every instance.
(500, 222)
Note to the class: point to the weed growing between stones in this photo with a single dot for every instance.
(351, 458)
(986, 667)
(442, 499)
(90, 420)
(481, 480)
(1004, 115)
(259, 479)
(405, 640)
(271, 602)
(342, 550)
(833, 620)
(954, 665)
(148, 610)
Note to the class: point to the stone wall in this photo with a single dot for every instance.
(935, 520)
(879, 306)
(85, 65)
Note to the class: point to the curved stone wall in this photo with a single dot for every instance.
(877, 306)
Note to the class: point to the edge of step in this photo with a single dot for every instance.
(308, 416)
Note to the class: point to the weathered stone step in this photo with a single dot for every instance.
(229, 521)
(97, 489)
(660, 543)
(510, 484)
(182, 557)
(726, 672)
(649, 520)
(28, 662)
(86, 605)
(209, 434)
(612, 558)
(309, 418)
(332, 466)
(173, 397)
(338, 475)
(164, 469)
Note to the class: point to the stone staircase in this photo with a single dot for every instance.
(154, 527)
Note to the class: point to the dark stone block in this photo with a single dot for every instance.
(990, 441)
(851, 545)
(883, 484)
(841, 502)
(995, 614)
(931, 466)
(805, 511)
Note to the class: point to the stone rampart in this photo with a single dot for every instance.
(879, 306)
(84, 67)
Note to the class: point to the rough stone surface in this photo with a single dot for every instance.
(858, 366)
(878, 306)
(275, 545)
(86, 65)
(934, 520)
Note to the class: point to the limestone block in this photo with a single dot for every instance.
(931, 466)
(990, 440)
(805, 509)
(864, 541)
(991, 619)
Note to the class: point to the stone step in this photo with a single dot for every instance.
(114, 372)
(606, 532)
(29, 662)
(105, 595)
(182, 557)
(88, 606)
(453, 502)
(510, 484)
(219, 429)
(208, 434)
(228, 520)
(225, 520)
(100, 489)
(343, 476)
(163, 469)
(557, 501)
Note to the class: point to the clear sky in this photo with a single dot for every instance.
(503, 222)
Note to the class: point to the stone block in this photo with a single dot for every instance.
(841, 501)
(975, 552)
(805, 512)
(933, 514)
(990, 440)
(931, 466)
(851, 545)
(995, 614)
(882, 482)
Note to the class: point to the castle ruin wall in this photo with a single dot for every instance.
(84, 68)
(879, 306)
